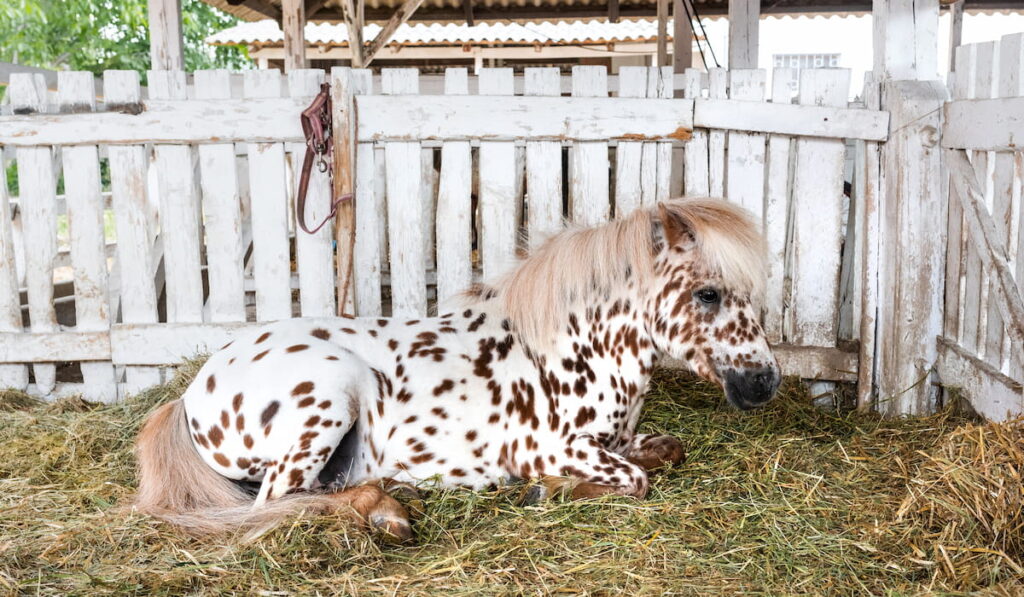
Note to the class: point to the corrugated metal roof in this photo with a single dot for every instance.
(560, 33)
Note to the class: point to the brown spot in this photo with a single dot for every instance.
(324, 405)
(216, 436)
(321, 333)
(307, 401)
(331, 358)
(263, 337)
(240, 422)
(248, 441)
(431, 430)
(201, 440)
(348, 330)
(260, 355)
(471, 435)
(295, 477)
(444, 386)
(211, 384)
(225, 419)
(297, 347)
(458, 472)
(268, 413)
(221, 459)
(243, 463)
(303, 388)
(310, 422)
(236, 402)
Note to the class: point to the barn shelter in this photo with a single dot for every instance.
(433, 45)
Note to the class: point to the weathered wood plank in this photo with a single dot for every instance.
(405, 208)
(867, 191)
(991, 393)
(965, 85)
(454, 206)
(629, 154)
(659, 84)
(497, 185)
(543, 165)
(784, 118)
(11, 375)
(92, 347)
(777, 211)
(746, 157)
(695, 158)
(368, 250)
(179, 211)
(221, 209)
(163, 120)
(817, 216)
(442, 118)
(37, 185)
(717, 78)
(984, 124)
(77, 93)
(588, 167)
(132, 216)
(270, 213)
(314, 253)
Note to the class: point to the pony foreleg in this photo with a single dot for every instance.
(655, 451)
(593, 472)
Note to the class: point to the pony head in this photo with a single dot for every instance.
(691, 271)
(708, 275)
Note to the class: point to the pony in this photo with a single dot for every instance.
(540, 375)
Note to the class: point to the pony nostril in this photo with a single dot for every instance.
(763, 380)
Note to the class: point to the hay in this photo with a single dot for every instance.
(789, 500)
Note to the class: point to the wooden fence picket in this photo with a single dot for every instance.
(38, 204)
(314, 253)
(498, 226)
(222, 212)
(454, 206)
(270, 213)
(659, 85)
(137, 261)
(717, 89)
(695, 153)
(11, 375)
(543, 164)
(777, 211)
(817, 216)
(630, 180)
(405, 208)
(588, 167)
(368, 252)
(86, 237)
(745, 172)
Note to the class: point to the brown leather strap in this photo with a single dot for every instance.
(317, 128)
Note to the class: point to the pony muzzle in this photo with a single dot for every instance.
(750, 388)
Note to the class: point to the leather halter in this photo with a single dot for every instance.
(316, 127)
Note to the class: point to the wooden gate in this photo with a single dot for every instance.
(199, 242)
(982, 346)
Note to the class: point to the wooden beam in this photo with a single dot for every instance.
(353, 15)
(744, 21)
(956, 29)
(682, 37)
(166, 44)
(906, 38)
(613, 11)
(313, 7)
(260, 6)
(294, 27)
(400, 16)
(467, 8)
(663, 32)
(992, 394)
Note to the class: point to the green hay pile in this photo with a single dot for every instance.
(789, 500)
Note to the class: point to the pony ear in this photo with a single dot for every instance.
(675, 230)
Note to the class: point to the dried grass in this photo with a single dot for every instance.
(789, 500)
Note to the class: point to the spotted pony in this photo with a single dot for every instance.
(540, 375)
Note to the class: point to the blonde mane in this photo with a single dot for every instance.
(578, 267)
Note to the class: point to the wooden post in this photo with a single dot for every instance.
(912, 207)
(294, 25)
(353, 15)
(663, 32)
(682, 37)
(744, 20)
(166, 45)
(906, 39)
(956, 29)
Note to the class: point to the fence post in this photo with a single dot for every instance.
(912, 238)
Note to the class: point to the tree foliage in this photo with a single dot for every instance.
(97, 35)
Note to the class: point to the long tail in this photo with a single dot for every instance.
(177, 486)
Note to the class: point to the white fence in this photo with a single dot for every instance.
(202, 183)
(982, 348)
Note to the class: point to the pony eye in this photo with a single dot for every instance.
(708, 296)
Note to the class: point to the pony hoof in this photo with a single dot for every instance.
(533, 495)
(394, 531)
